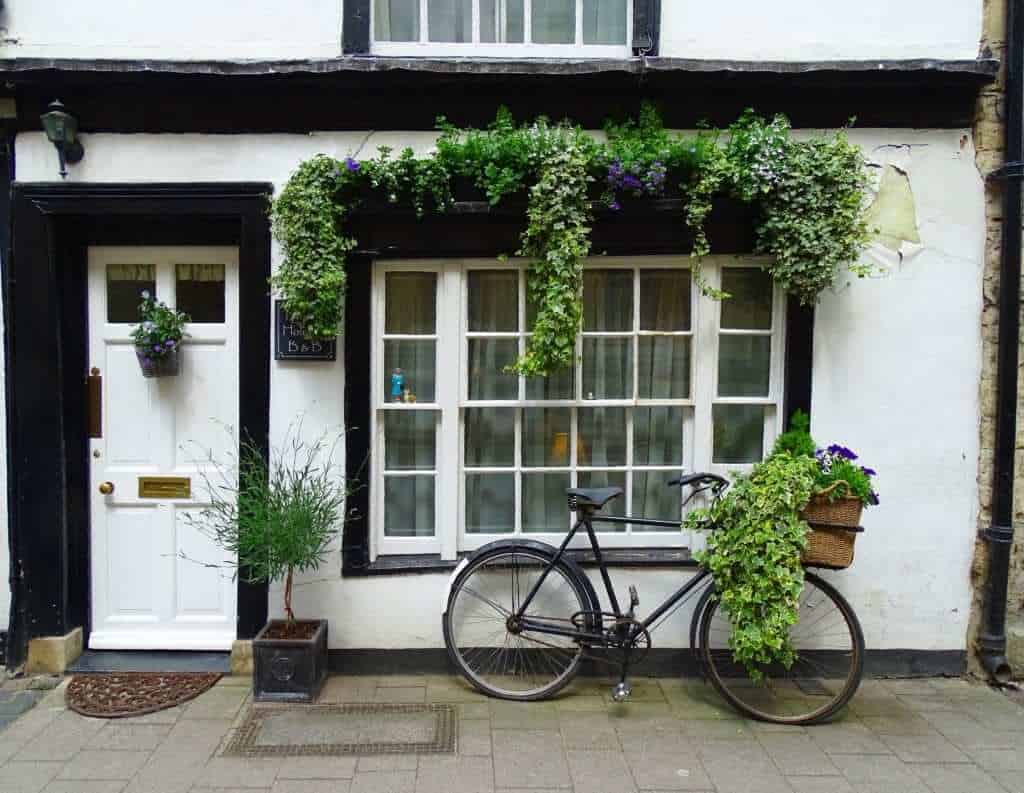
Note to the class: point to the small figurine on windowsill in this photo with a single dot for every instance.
(397, 384)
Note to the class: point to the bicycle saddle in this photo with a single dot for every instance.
(595, 497)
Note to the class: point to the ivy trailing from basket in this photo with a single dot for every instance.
(809, 194)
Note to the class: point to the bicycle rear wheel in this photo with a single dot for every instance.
(828, 669)
(496, 656)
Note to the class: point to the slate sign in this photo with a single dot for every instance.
(291, 345)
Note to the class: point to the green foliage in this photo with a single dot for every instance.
(275, 517)
(753, 551)
(809, 194)
(160, 329)
(797, 440)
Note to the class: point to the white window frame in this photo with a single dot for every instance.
(452, 342)
(479, 49)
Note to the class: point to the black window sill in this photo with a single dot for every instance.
(613, 557)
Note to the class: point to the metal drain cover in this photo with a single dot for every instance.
(345, 729)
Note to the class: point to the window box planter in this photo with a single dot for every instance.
(291, 669)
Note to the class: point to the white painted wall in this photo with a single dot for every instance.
(896, 369)
(270, 29)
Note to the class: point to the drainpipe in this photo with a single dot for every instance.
(999, 535)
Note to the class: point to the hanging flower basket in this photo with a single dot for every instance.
(833, 528)
(165, 365)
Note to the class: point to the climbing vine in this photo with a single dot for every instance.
(808, 194)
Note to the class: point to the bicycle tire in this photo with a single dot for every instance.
(742, 694)
(510, 555)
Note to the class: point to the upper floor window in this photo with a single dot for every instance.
(503, 28)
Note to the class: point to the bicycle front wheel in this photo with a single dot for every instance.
(830, 660)
(497, 656)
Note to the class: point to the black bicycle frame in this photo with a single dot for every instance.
(586, 520)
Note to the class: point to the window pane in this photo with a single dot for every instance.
(490, 503)
(410, 303)
(743, 365)
(487, 376)
(493, 300)
(665, 299)
(199, 291)
(501, 21)
(409, 370)
(652, 498)
(450, 20)
(546, 436)
(738, 433)
(409, 506)
(409, 440)
(490, 436)
(554, 21)
(750, 307)
(601, 439)
(608, 300)
(616, 506)
(664, 367)
(396, 20)
(607, 368)
(125, 285)
(557, 385)
(545, 507)
(658, 436)
(604, 21)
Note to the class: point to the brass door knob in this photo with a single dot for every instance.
(106, 488)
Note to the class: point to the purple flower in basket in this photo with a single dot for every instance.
(351, 164)
(873, 498)
(869, 471)
(841, 451)
(169, 344)
(615, 206)
(157, 348)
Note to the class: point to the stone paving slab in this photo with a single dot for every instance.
(900, 736)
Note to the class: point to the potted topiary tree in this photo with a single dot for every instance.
(277, 515)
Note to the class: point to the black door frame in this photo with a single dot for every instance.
(45, 305)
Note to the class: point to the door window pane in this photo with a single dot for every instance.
(607, 368)
(410, 438)
(554, 21)
(738, 432)
(665, 300)
(750, 307)
(490, 503)
(608, 300)
(658, 436)
(601, 439)
(604, 21)
(546, 437)
(493, 300)
(410, 303)
(617, 506)
(409, 506)
(487, 376)
(744, 363)
(450, 20)
(409, 370)
(501, 21)
(125, 285)
(199, 291)
(664, 367)
(653, 498)
(490, 437)
(545, 507)
(396, 20)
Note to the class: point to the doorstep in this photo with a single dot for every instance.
(150, 661)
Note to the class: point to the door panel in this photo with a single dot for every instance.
(157, 583)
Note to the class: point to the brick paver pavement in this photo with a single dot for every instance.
(904, 736)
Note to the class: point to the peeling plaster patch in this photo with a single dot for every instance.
(893, 216)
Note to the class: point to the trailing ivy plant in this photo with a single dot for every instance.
(755, 538)
(809, 195)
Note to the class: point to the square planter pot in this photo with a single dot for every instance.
(289, 670)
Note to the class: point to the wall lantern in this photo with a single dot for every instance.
(62, 131)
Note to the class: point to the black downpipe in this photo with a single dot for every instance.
(999, 535)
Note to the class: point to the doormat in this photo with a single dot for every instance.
(295, 731)
(116, 695)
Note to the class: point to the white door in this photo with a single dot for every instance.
(156, 582)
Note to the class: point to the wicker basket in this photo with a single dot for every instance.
(833, 530)
(164, 366)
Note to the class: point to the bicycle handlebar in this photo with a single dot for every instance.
(698, 479)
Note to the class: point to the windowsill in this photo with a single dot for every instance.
(613, 557)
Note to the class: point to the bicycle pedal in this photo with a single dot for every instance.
(622, 691)
(634, 598)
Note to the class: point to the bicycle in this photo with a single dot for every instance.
(521, 616)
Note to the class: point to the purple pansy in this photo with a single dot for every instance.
(841, 451)
(869, 471)
(351, 164)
